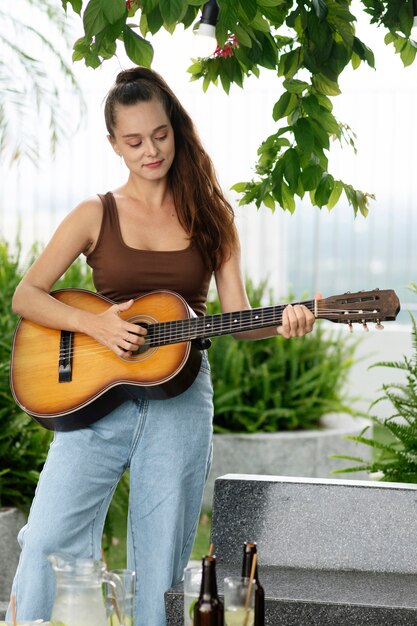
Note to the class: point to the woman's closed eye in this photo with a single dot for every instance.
(139, 143)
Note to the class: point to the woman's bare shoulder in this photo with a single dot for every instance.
(90, 207)
(85, 219)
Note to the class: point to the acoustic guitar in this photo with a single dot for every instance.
(67, 380)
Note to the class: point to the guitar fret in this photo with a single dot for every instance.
(177, 331)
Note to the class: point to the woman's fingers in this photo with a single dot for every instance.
(297, 321)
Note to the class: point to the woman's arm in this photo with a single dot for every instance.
(78, 233)
(296, 320)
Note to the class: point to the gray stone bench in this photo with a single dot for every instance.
(331, 552)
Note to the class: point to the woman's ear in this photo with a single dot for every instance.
(113, 144)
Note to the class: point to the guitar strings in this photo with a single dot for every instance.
(179, 336)
(167, 338)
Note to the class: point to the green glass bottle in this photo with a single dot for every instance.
(249, 550)
(208, 610)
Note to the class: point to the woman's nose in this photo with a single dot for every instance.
(150, 148)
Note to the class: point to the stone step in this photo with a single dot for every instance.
(297, 597)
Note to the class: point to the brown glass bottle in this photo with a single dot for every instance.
(208, 610)
(249, 550)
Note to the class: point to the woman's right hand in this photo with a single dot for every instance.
(121, 336)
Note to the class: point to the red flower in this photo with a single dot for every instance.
(228, 48)
(131, 3)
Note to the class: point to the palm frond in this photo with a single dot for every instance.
(35, 72)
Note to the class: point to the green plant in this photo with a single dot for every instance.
(394, 439)
(23, 444)
(307, 43)
(276, 384)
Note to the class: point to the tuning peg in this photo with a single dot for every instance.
(365, 326)
(378, 325)
(350, 326)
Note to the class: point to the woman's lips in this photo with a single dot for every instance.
(153, 165)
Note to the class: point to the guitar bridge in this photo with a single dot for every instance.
(65, 357)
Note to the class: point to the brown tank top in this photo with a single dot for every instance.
(121, 272)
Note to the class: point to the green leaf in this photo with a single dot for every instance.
(304, 136)
(286, 104)
(171, 10)
(269, 3)
(328, 122)
(113, 10)
(94, 19)
(288, 201)
(269, 202)
(228, 15)
(155, 20)
(149, 5)
(408, 54)
(335, 195)
(189, 16)
(105, 45)
(406, 18)
(248, 8)
(325, 86)
(389, 38)
(225, 81)
(291, 164)
(311, 106)
(345, 30)
(92, 59)
(289, 63)
(242, 36)
(269, 56)
(239, 187)
(76, 5)
(363, 52)
(355, 60)
(260, 23)
(324, 190)
(143, 24)
(311, 176)
(320, 8)
(295, 86)
(137, 49)
(81, 48)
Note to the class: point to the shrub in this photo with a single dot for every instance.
(278, 384)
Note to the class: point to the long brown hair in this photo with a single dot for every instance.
(202, 209)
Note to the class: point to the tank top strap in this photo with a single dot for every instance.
(110, 216)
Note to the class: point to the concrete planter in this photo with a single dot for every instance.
(11, 521)
(302, 453)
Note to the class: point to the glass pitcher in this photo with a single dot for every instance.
(79, 591)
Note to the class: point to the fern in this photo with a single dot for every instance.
(395, 448)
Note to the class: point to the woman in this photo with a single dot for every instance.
(168, 227)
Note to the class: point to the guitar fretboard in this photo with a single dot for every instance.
(165, 333)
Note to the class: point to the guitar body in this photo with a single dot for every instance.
(97, 380)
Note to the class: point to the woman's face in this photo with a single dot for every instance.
(144, 137)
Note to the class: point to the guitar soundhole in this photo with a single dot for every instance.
(145, 351)
(144, 348)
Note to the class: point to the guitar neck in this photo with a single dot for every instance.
(215, 325)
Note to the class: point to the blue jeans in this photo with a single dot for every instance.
(167, 446)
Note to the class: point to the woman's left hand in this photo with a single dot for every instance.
(297, 320)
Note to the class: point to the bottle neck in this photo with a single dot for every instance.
(209, 581)
(249, 551)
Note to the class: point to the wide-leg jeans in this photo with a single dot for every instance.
(167, 446)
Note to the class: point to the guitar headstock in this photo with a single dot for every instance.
(360, 307)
